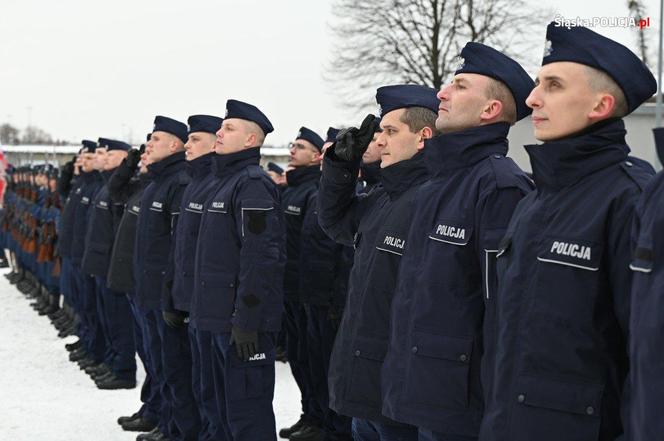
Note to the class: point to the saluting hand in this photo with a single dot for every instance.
(352, 142)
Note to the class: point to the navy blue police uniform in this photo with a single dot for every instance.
(646, 323)
(240, 257)
(203, 182)
(157, 219)
(113, 306)
(431, 374)
(376, 224)
(302, 183)
(84, 284)
(563, 268)
(127, 189)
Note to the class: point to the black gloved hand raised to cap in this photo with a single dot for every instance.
(352, 142)
(133, 158)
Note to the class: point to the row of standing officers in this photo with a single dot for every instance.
(429, 288)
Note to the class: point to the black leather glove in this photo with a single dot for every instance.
(174, 319)
(353, 142)
(246, 343)
(133, 158)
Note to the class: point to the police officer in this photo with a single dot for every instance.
(375, 223)
(302, 182)
(160, 208)
(126, 188)
(68, 188)
(118, 371)
(563, 266)
(431, 373)
(646, 325)
(199, 153)
(94, 350)
(240, 257)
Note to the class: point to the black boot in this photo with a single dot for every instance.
(124, 419)
(286, 432)
(115, 383)
(71, 347)
(138, 425)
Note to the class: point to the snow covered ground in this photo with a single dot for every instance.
(45, 397)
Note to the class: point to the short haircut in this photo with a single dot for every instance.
(417, 118)
(497, 90)
(600, 81)
(252, 127)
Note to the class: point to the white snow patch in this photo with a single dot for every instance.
(44, 396)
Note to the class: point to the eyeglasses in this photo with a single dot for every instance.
(299, 146)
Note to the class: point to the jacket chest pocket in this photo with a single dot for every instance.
(568, 278)
(218, 221)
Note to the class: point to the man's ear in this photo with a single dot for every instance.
(425, 133)
(603, 108)
(492, 111)
(251, 140)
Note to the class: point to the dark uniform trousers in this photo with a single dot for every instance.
(90, 327)
(120, 337)
(203, 385)
(244, 390)
(150, 393)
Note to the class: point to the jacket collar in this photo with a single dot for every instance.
(560, 163)
(171, 164)
(301, 175)
(200, 166)
(224, 164)
(399, 177)
(371, 172)
(464, 148)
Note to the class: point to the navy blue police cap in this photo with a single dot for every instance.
(578, 44)
(478, 58)
(249, 112)
(102, 143)
(204, 123)
(271, 166)
(332, 133)
(112, 144)
(311, 136)
(88, 146)
(169, 125)
(400, 96)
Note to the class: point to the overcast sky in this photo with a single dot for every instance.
(89, 68)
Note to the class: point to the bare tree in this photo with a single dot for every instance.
(35, 135)
(637, 10)
(9, 135)
(417, 41)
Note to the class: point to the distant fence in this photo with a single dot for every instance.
(52, 154)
